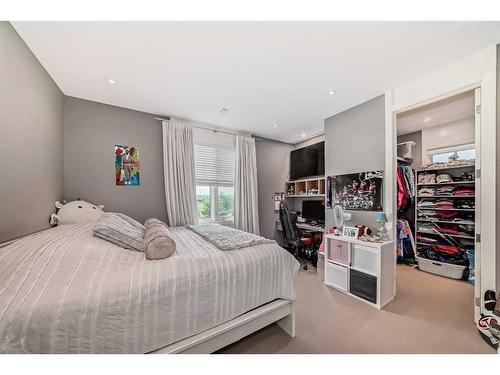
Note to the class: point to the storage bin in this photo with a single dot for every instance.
(320, 266)
(364, 258)
(363, 285)
(406, 150)
(452, 271)
(338, 251)
(336, 276)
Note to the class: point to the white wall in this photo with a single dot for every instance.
(478, 70)
(454, 133)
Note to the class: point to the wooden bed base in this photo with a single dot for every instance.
(280, 311)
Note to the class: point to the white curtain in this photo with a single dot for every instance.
(246, 200)
(178, 173)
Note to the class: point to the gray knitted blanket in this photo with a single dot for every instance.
(226, 238)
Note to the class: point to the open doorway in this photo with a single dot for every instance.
(437, 197)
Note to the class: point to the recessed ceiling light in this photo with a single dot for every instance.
(223, 110)
(303, 135)
(111, 81)
(427, 119)
(275, 125)
(332, 92)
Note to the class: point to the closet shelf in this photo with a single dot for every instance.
(445, 222)
(446, 209)
(445, 234)
(446, 196)
(448, 183)
(444, 168)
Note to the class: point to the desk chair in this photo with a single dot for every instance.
(291, 233)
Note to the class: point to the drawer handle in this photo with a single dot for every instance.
(437, 264)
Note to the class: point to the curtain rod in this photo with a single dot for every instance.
(199, 127)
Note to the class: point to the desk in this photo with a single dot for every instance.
(303, 226)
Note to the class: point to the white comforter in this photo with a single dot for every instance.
(65, 291)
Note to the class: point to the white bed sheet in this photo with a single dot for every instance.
(65, 291)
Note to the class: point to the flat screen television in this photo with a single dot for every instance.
(307, 161)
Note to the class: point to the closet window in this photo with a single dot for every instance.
(214, 168)
(467, 152)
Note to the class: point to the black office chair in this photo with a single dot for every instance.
(291, 233)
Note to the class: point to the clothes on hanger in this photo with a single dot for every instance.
(406, 186)
(405, 242)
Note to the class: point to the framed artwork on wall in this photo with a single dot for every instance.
(358, 191)
(127, 166)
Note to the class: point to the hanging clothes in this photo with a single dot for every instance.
(405, 242)
(406, 186)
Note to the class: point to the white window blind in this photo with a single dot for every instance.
(214, 158)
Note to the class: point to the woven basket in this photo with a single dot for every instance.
(440, 268)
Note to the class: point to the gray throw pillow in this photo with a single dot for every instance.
(121, 230)
(157, 242)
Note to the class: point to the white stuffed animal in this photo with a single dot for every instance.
(75, 212)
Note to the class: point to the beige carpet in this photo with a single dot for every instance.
(431, 314)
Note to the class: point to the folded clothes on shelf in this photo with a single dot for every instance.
(445, 204)
(464, 191)
(461, 220)
(426, 192)
(444, 191)
(446, 214)
(426, 203)
(425, 239)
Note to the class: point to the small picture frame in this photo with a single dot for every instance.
(350, 232)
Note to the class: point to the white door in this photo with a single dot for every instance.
(478, 299)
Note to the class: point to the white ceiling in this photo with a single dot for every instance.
(265, 73)
(455, 108)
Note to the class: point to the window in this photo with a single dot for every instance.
(214, 169)
(467, 152)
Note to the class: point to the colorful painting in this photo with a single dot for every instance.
(127, 166)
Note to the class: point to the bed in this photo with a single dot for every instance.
(65, 291)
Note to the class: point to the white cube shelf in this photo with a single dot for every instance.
(361, 269)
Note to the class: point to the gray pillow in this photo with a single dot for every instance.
(121, 230)
(157, 242)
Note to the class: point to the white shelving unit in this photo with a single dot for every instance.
(420, 219)
(363, 270)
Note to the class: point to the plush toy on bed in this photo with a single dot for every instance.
(75, 212)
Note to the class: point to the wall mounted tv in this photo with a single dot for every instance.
(308, 161)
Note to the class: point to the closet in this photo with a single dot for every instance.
(436, 192)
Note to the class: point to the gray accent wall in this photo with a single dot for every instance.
(272, 173)
(91, 131)
(31, 139)
(355, 142)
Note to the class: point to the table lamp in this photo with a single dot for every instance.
(382, 231)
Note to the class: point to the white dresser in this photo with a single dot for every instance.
(363, 270)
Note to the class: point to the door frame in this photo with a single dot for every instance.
(391, 179)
